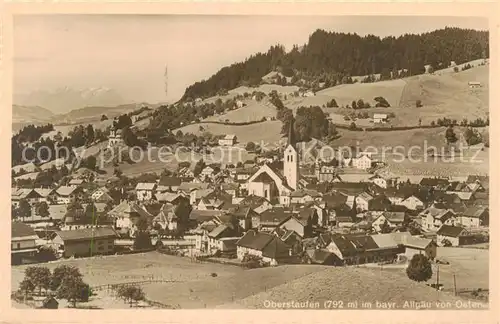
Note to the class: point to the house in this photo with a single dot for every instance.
(230, 188)
(127, 214)
(115, 137)
(474, 216)
(228, 140)
(345, 221)
(413, 202)
(474, 84)
(76, 182)
(197, 217)
(383, 180)
(362, 201)
(449, 235)
(85, 242)
(433, 218)
(221, 239)
(484, 181)
(363, 161)
(301, 223)
(390, 219)
(435, 183)
(321, 256)
(326, 173)
(101, 195)
(171, 215)
(410, 245)
(265, 245)
(145, 191)
(64, 194)
(271, 218)
(379, 118)
(304, 196)
(168, 184)
(360, 249)
(380, 203)
(23, 242)
(245, 215)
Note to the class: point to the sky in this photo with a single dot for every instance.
(129, 53)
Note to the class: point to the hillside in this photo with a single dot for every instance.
(335, 58)
(443, 94)
(347, 285)
(22, 115)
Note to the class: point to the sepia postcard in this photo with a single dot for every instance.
(327, 158)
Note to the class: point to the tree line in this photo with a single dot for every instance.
(332, 58)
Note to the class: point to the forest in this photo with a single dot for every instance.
(333, 58)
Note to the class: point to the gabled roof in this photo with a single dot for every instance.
(170, 181)
(145, 186)
(204, 215)
(269, 244)
(475, 211)
(44, 192)
(452, 231)
(483, 180)
(434, 182)
(87, 234)
(189, 186)
(275, 216)
(19, 229)
(66, 190)
(305, 192)
(394, 217)
(125, 209)
(366, 196)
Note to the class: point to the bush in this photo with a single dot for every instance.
(418, 103)
(381, 102)
(250, 261)
(419, 269)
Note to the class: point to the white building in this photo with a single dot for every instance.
(363, 161)
(145, 191)
(474, 84)
(228, 140)
(379, 118)
(115, 137)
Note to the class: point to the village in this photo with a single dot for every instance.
(273, 211)
(336, 170)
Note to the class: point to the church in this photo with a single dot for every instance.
(273, 184)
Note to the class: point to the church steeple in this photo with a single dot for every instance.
(291, 159)
(291, 133)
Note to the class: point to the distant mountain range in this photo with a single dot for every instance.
(65, 99)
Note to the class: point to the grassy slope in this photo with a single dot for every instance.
(210, 293)
(268, 131)
(347, 285)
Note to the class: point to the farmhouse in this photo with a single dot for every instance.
(145, 191)
(452, 235)
(228, 140)
(433, 218)
(474, 217)
(474, 84)
(379, 118)
(363, 161)
(85, 242)
(267, 246)
(64, 194)
(23, 242)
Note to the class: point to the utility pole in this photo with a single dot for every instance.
(455, 284)
(437, 278)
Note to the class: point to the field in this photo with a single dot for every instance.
(217, 291)
(470, 266)
(252, 112)
(268, 131)
(194, 285)
(443, 94)
(348, 284)
(155, 161)
(135, 267)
